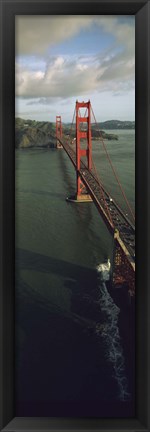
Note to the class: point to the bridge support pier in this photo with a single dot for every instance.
(58, 132)
(82, 195)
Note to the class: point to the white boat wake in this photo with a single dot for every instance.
(110, 333)
(104, 270)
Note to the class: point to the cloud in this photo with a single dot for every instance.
(121, 67)
(35, 34)
(41, 101)
(119, 62)
(66, 76)
(61, 79)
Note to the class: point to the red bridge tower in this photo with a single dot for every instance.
(83, 147)
(58, 131)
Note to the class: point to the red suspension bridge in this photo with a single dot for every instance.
(91, 188)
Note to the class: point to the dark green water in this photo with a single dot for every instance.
(71, 358)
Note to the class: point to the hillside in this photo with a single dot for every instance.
(96, 132)
(32, 133)
(116, 124)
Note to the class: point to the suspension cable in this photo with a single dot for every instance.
(114, 172)
(70, 130)
(100, 183)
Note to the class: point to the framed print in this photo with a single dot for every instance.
(74, 277)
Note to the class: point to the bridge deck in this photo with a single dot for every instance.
(118, 220)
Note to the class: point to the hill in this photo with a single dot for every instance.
(116, 124)
(32, 133)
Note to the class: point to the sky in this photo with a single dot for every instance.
(61, 59)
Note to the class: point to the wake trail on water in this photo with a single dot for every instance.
(110, 334)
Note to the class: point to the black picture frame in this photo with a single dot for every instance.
(8, 10)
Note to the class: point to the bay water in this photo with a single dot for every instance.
(74, 350)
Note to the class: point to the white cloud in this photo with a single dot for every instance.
(34, 34)
(81, 67)
(61, 77)
(69, 77)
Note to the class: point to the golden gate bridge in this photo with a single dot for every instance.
(90, 188)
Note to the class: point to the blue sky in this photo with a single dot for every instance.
(61, 59)
(86, 42)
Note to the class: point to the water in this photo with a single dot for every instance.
(73, 357)
(122, 155)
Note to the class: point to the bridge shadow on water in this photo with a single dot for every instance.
(77, 280)
(70, 184)
(60, 364)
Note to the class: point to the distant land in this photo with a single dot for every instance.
(117, 124)
(32, 133)
(113, 124)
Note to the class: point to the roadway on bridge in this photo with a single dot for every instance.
(117, 220)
